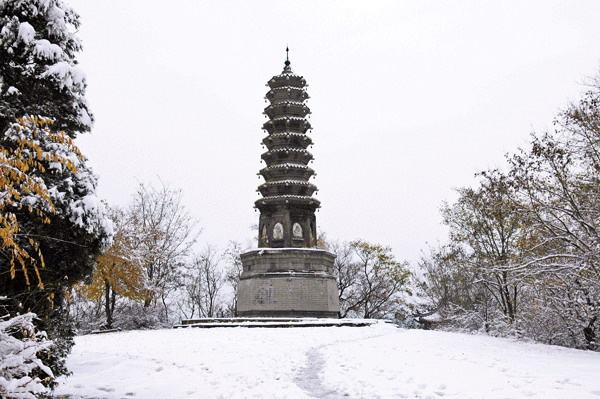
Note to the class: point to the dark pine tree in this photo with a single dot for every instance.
(39, 76)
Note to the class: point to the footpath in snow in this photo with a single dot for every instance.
(380, 361)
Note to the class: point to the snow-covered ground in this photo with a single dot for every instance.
(379, 361)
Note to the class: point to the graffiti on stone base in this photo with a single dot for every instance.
(265, 295)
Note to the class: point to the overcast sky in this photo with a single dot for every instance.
(409, 100)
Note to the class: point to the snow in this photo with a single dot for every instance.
(56, 19)
(288, 196)
(271, 322)
(67, 75)
(287, 181)
(26, 32)
(380, 361)
(12, 91)
(19, 347)
(44, 49)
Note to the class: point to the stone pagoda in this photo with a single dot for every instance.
(287, 276)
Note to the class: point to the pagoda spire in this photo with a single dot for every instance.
(287, 205)
(287, 68)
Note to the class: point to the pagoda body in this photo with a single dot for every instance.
(287, 276)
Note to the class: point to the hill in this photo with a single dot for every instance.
(380, 361)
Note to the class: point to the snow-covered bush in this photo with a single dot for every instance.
(20, 366)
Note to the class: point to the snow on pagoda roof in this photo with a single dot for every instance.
(288, 196)
(288, 165)
(287, 149)
(288, 87)
(290, 117)
(287, 102)
(287, 134)
(287, 181)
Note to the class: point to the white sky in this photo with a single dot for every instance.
(409, 100)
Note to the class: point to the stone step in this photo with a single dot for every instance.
(276, 322)
(243, 319)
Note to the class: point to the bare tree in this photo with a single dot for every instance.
(346, 272)
(233, 273)
(203, 282)
(166, 233)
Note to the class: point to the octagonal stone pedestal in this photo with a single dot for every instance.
(287, 282)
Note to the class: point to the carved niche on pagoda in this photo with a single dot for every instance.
(278, 232)
(297, 231)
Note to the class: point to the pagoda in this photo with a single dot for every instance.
(287, 276)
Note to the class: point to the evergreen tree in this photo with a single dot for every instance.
(38, 73)
(39, 77)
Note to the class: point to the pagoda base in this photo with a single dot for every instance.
(288, 282)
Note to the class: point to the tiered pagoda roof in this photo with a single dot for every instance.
(287, 173)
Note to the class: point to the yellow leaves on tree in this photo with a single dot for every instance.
(118, 269)
(23, 158)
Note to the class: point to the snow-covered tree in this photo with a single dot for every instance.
(524, 250)
(65, 240)
(39, 73)
(39, 78)
(22, 190)
(487, 224)
(559, 187)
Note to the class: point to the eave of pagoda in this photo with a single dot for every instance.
(286, 155)
(286, 80)
(287, 187)
(287, 93)
(288, 200)
(287, 139)
(284, 124)
(286, 108)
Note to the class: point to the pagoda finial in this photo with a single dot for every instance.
(287, 68)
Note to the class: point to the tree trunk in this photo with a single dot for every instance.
(107, 302)
(590, 335)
